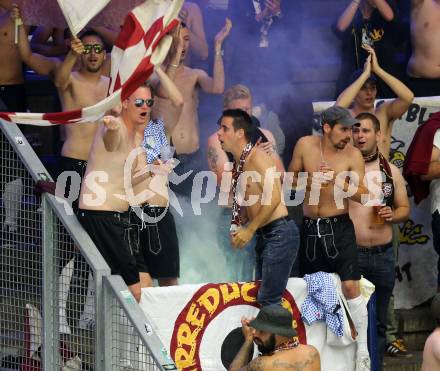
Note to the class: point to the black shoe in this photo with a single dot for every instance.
(397, 348)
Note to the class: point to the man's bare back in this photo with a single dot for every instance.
(10, 61)
(308, 149)
(425, 39)
(304, 357)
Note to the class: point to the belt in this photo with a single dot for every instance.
(102, 213)
(378, 249)
(275, 223)
(334, 219)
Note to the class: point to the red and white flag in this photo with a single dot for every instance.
(142, 43)
(79, 12)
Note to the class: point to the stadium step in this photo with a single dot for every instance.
(415, 325)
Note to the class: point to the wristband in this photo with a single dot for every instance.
(173, 65)
(18, 22)
(219, 53)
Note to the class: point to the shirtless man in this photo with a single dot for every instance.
(240, 263)
(150, 218)
(191, 15)
(424, 64)
(184, 129)
(277, 235)
(277, 342)
(41, 64)
(361, 95)
(103, 204)
(327, 233)
(373, 224)
(12, 90)
(431, 351)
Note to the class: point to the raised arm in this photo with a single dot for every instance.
(398, 106)
(385, 10)
(39, 63)
(346, 98)
(216, 85)
(346, 18)
(241, 359)
(62, 75)
(168, 89)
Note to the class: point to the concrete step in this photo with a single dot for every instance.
(404, 364)
(416, 320)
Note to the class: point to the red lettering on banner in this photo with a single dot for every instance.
(208, 302)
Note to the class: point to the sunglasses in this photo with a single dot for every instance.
(97, 48)
(139, 102)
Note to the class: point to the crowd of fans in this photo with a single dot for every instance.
(389, 49)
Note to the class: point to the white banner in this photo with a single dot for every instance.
(416, 270)
(200, 324)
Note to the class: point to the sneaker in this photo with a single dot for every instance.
(363, 363)
(397, 348)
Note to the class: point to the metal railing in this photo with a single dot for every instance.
(59, 306)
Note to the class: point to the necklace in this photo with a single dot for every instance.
(290, 344)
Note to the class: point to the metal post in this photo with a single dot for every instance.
(50, 342)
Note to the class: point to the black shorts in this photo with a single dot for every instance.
(157, 243)
(78, 166)
(107, 229)
(329, 245)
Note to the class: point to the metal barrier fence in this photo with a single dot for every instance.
(55, 312)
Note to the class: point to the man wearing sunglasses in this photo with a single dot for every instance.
(103, 206)
(77, 89)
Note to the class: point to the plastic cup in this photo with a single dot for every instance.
(321, 165)
(377, 219)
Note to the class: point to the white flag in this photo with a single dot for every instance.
(79, 12)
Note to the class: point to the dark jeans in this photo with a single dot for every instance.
(277, 248)
(378, 266)
(436, 240)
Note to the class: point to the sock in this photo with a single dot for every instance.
(359, 315)
(63, 291)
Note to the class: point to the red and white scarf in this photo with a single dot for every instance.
(236, 172)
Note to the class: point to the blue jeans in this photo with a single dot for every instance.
(277, 248)
(378, 266)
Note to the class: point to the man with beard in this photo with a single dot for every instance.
(328, 241)
(277, 342)
(373, 222)
(78, 89)
(361, 96)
